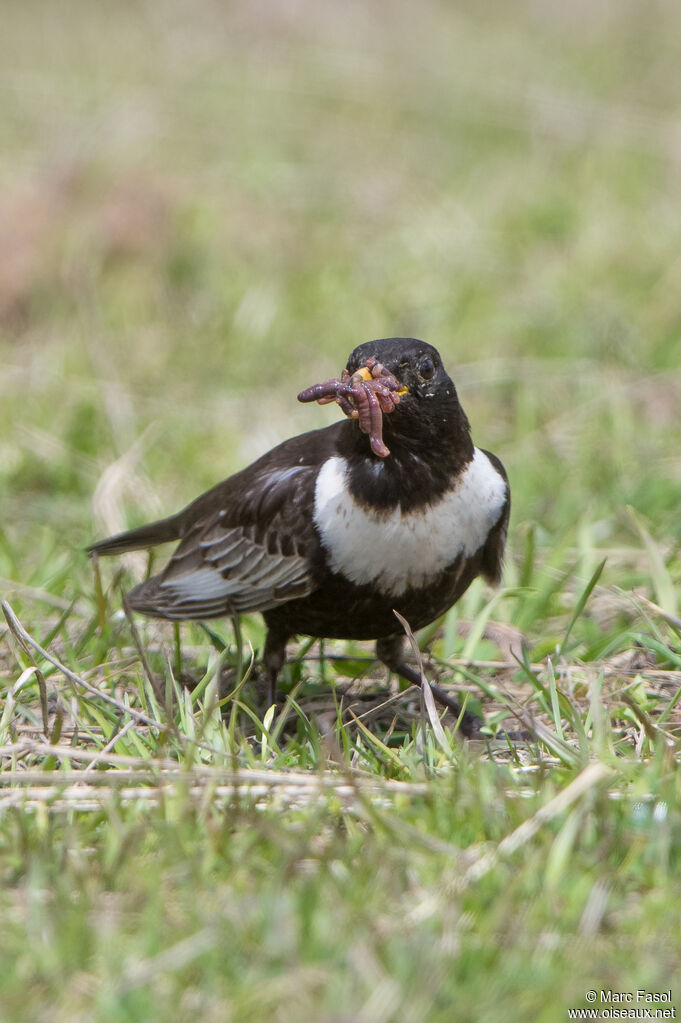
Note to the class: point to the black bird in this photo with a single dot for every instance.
(327, 538)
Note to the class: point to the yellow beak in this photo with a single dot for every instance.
(365, 374)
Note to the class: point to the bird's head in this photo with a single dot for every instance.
(416, 364)
(400, 384)
(428, 407)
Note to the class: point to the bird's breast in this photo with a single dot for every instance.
(395, 550)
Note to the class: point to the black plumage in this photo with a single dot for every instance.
(295, 534)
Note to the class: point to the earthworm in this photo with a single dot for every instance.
(361, 399)
(375, 416)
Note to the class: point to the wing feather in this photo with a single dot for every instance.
(245, 555)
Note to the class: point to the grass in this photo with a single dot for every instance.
(204, 208)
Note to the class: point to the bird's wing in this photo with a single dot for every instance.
(247, 545)
(493, 550)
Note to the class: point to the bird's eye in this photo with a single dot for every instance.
(427, 369)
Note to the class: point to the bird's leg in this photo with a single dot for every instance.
(273, 658)
(391, 652)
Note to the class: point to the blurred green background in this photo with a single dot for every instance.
(206, 206)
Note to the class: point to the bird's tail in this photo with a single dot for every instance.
(150, 535)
